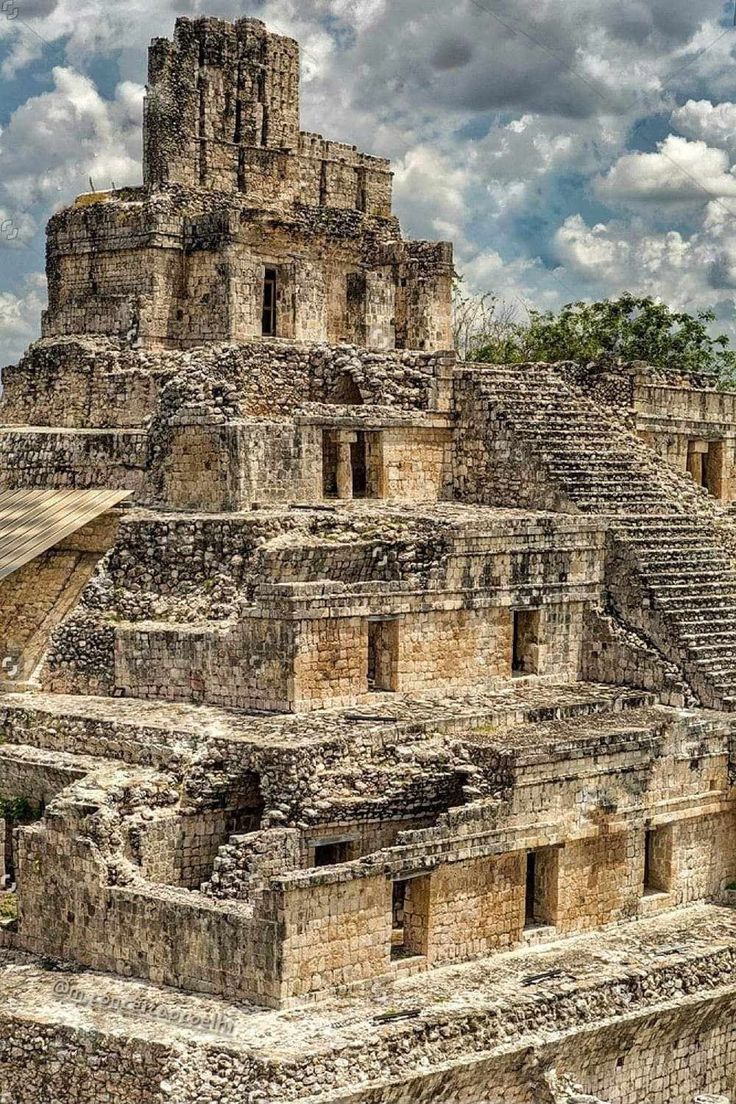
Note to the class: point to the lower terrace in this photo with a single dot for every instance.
(652, 998)
(407, 834)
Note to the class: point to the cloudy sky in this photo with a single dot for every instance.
(570, 148)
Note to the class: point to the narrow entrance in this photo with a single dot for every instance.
(531, 885)
(383, 655)
(542, 878)
(270, 281)
(410, 917)
(657, 859)
(352, 464)
(359, 466)
(9, 858)
(525, 657)
(330, 458)
(705, 465)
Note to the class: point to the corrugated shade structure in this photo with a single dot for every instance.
(32, 521)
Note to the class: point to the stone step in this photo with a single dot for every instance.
(675, 585)
(684, 576)
(696, 602)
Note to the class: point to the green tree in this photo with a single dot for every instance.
(628, 328)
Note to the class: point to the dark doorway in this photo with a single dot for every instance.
(525, 659)
(657, 859)
(9, 855)
(330, 454)
(360, 467)
(410, 917)
(531, 885)
(270, 289)
(705, 463)
(383, 655)
(541, 891)
(328, 854)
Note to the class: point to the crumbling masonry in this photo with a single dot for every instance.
(368, 718)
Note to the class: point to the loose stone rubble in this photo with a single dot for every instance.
(381, 746)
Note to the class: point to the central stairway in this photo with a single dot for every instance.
(670, 560)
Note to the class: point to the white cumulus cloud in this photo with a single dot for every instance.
(714, 124)
(680, 171)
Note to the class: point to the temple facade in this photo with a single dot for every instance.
(367, 718)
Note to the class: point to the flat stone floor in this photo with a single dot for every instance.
(524, 701)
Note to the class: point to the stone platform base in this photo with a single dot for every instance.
(642, 1012)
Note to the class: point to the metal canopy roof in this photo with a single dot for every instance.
(32, 521)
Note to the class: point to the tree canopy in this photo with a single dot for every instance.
(628, 328)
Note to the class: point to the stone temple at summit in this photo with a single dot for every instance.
(367, 717)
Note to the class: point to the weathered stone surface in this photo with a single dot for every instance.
(381, 749)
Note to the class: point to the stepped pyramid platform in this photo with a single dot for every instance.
(370, 734)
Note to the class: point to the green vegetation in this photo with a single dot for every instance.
(8, 907)
(16, 809)
(628, 328)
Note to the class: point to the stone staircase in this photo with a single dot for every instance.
(670, 570)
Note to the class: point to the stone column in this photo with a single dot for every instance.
(345, 464)
(695, 454)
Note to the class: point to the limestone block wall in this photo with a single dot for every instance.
(335, 935)
(36, 778)
(618, 1037)
(181, 850)
(454, 648)
(247, 668)
(114, 459)
(615, 654)
(504, 475)
(236, 467)
(424, 295)
(687, 404)
(222, 112)
(82, 1064)
(176, 273)
(166, 270)
(218, 86)
(329, 666)
(476, 908)
(171, 936)
(94, 382)
(77, 383)
(417, 464)
(201, 469)
(312, 662)
(600, 881)
(704, 850)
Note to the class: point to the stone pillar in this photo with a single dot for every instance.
(696, 451)
(345, 464)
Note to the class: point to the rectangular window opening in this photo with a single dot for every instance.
(329, 854)
(525, 658)
(410, 917)
(270, 289)
(383, 655)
